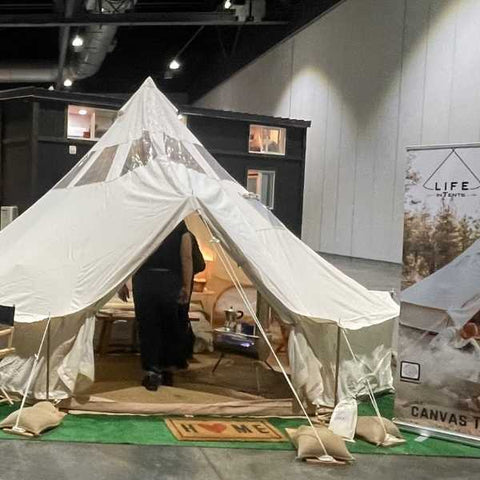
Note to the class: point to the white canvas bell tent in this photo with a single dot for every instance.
(450, 296)
(69, 253)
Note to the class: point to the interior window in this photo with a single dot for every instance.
(89, 123)
(267, 140)
(262, 183)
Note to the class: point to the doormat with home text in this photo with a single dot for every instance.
(186, 429)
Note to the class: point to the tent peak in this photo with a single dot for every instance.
(149, 83)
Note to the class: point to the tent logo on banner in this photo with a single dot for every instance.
(452, 178)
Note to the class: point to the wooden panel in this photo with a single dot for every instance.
(310, 92)
(243, 92)
(412, 91)
(53, 119)
(373, 56)
(17, 119)
(219, 134)
(16, 153)
(17, 175)
(464, 121)
(54, 162)
(441, 35)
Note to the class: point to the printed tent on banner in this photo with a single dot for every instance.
(449, 296)
(69, 253)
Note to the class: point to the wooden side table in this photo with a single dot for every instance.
(108, 317)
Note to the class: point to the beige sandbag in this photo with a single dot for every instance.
(371, 430)
(36, 419)
(308, 446)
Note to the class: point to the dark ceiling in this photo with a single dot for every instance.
(150, 34)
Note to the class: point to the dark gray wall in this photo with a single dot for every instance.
(16, 185)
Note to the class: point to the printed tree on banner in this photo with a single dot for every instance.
(417, 247)
(468, 231)
(447, 237)
(475, 228)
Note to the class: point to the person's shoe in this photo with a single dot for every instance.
(167, 378)
(151, 381)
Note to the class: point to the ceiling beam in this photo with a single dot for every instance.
(127, 19)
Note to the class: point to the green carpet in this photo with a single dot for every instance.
(151, 430)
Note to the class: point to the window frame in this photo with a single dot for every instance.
(92, 120)
(282, 146)
(273, 174)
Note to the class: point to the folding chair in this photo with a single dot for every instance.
(7, 315)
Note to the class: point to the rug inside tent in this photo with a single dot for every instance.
(239, 386)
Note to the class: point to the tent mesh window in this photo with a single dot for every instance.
(99, 169)
(140, 153)
(67, 179)
(178, 153)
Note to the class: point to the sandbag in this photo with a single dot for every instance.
(42, 416)
(308, 446)
(371, 430)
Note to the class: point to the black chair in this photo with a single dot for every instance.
(7, 316)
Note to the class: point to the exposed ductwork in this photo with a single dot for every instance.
(98, 41)
(28, 72)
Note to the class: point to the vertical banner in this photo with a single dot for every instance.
(438, 374)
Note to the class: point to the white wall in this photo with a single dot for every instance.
(373, 76)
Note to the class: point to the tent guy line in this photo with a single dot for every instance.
(226, 263)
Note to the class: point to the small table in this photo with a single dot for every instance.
(206, 299)
(110, 315)
(226, 341)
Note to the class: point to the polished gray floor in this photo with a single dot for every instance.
(25, 460)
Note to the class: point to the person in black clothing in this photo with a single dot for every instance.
(161, 289)
(199, 265)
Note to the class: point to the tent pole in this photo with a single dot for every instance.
(337, 365)
(16, 428)
(48, 362)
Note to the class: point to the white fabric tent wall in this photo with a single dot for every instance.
(315, 349)
(69, 253)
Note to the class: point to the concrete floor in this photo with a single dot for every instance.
(25, 460)
(22, 460)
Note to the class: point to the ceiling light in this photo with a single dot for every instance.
(77, 41)
(67, 82)
(174, 65)
(51, 87)
(180, 116)
(227, 4)
(82, 111)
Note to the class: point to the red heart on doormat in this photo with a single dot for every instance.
(214, 427)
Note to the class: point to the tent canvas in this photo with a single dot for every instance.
(69, 253)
